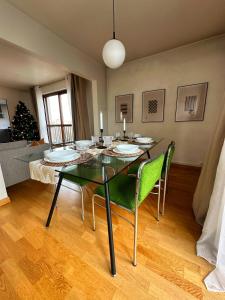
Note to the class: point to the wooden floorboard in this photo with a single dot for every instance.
(70, 261)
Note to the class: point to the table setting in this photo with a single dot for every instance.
(46, 169)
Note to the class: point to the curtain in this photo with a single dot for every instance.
(41, 114)
(79, 106)
(211, 244)
(206, 180)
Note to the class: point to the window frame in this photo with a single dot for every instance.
(47, 120)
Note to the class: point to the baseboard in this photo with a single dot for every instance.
(187, 166)
(5, 201)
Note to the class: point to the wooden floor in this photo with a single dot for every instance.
(70, 261)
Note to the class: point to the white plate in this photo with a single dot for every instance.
(61, 156)
(127, 148)
(62, 160)
(125, 153)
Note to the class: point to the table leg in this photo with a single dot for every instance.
(110, 232)
(54, 200)
(148, 154)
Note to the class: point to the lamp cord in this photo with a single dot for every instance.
(114, 32)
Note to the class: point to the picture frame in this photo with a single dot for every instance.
(4, 114)
(124, 108)
(153, 103)
(191, 102)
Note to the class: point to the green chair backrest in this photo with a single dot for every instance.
(168, 157)
(149, 173)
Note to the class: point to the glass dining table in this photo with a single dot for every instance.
(100, 169)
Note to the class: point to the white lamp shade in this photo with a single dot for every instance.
(113, 54)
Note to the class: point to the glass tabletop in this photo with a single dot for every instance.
(102, 168)
(29, 157)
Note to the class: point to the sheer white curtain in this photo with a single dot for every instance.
(211, 244)
(41, 114)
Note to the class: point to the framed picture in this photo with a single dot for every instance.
(4, 114)
(191, 100)
(153, 103)
(124, 108)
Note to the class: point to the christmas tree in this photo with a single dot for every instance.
(24, 127)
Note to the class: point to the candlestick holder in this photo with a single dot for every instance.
(101, 140)
(125, 138)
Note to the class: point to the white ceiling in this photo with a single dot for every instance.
(21, 69)
(145, 26)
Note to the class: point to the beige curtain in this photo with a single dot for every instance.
(206, 180)
(81, 124)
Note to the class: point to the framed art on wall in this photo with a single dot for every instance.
(153, 103)
(191, 100)
(124, 108)
(4, 114)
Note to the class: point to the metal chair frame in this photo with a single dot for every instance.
(81, 191)
(165, 180)
(135, 212)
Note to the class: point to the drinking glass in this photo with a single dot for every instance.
(107, 140)
(117, 135)
(130, 135)
(94, 140)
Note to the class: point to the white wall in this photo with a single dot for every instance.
(13, 96)
(21, 30)
(199, 62)
(53, 87)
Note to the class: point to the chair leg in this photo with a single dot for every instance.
(93, 211)
(158, 206)
(135, 236)
(164, 195)
(82, 203)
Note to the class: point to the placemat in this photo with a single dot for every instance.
(110, 152)
(84, 157)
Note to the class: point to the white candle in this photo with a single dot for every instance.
(124, 124)
(121, 116)
(101, 120)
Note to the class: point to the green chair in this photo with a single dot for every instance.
(129, 192)
(165, 170)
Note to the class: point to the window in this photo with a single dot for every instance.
(58, 118)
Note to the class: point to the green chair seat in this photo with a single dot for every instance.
(75, 180)
(122, 191)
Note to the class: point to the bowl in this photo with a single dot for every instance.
(83, 144)
(144, 140)
(127, 148)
